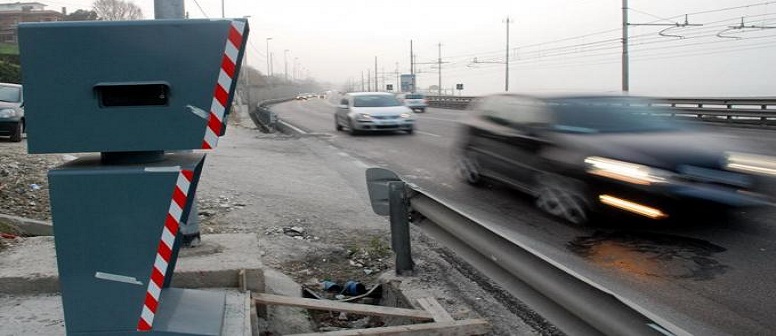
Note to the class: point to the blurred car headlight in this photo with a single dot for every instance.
(363, 117)
(749, 163)
(626, 171)
(405, 115)
(7, 113)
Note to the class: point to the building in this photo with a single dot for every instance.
(11, 14)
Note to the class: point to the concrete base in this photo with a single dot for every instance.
(29, 267)
(29, 286)
(42, 314)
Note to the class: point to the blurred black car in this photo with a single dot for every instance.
(579, 155)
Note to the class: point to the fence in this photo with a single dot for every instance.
(749, 110)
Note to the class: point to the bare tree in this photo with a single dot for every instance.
(81, 15)
(116, 10)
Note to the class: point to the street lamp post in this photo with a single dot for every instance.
(296, 62)
(269, 74)
(247, 76)
(285, 63)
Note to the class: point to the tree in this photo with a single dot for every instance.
(82, 15)
(116, 10)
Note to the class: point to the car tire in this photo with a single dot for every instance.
(563, 198)
(411, 130)
(468, 168)
(423, 110)
(16, 136)
(352, 129)
(337, 125)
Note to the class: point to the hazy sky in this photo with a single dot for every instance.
(555, 45)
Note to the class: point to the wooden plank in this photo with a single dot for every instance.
(357, 308)
(454, 328)
(435, 309)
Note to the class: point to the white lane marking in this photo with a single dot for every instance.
(440, 119)
(429, 134)
(361, 164)
(294, 128)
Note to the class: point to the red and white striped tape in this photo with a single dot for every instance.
(164, 250)
(215, 123)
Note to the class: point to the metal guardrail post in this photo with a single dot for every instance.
(400, 228)
(574, 305)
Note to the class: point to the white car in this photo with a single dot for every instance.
(415, 101)
(373, 111)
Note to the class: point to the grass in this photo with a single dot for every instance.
(7, 48)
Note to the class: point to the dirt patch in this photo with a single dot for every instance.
(362, 260)
(23, 182)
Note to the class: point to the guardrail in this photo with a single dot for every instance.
(265, 119)
(745, 110)
(574, 305)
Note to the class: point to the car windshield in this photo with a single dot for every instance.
(414, 96)
(375, 101)
(11, 94)
(610, 116)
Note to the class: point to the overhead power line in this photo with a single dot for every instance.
(201, 10)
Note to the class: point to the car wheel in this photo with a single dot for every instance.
(352, 129)
(411, 130)
(16, 136)
(422, 110)
(560, 197)
(468, 168)
(337, 125)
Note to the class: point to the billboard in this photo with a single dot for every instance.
(407, 82)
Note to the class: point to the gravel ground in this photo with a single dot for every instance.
(307, 204)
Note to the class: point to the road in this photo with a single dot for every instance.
(707, 277)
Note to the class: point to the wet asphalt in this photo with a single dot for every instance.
(704, 273)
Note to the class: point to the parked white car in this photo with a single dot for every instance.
(11, 111)
(373, 111)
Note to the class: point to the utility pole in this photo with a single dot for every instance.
(362, 81)
(439, 64)
(377, 82)
(170, 9)
(222, 9)
(269, 70)
(625, 54)
(285, 63)
(272, 63)
(625, 65)
(369, 80)
(296, 62)
(506, 63)
(412, 68)
(398, 88)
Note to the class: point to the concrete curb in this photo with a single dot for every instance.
(31, 227)
(222, 261)
(229, 278)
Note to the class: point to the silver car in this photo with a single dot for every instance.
(373, 111)
(11, 111)
(415, 101)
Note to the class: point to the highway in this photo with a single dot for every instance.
(707, 276)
